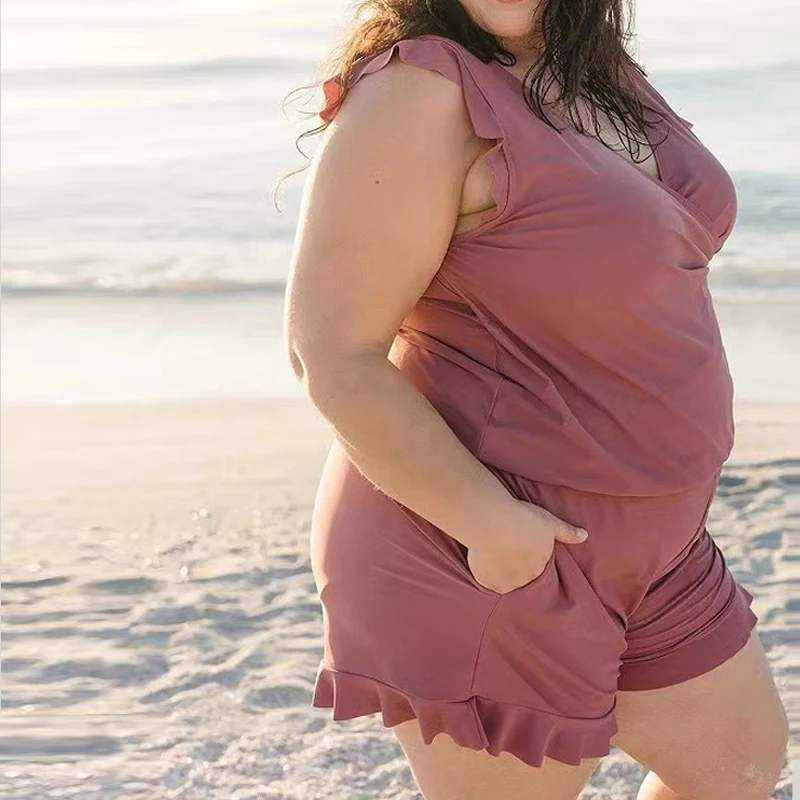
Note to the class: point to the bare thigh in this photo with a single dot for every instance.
(718, 736)
(445, 770)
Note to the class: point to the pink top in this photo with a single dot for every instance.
(571, 338)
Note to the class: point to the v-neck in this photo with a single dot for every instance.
(661, 167)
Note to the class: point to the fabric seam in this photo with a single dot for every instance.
(470, 697)
(480, 645)
(488, 420)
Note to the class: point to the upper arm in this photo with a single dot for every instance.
(379, 208)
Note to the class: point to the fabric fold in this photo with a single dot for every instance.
(479, 723)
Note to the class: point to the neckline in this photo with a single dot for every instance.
(573, 130)
(658, 125)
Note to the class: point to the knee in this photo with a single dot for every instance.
(756, 774)
(753, 782)
(748, 772)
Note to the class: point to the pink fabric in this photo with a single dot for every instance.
(475, 722)
(571, 344)
(646, 602)
(571, 338)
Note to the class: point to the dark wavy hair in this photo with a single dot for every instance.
(580, 45)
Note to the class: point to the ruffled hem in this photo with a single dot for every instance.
(477, 722)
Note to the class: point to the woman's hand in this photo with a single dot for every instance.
(520, 550)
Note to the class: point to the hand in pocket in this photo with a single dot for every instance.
(518, 552)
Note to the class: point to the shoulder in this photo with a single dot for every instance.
(430, 52)
(417, 79)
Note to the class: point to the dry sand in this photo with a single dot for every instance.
(161, 629)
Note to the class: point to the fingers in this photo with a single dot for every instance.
(564, 532)
(570, 535)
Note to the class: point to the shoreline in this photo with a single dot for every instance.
(138, 348)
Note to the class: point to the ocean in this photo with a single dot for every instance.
(143, 257)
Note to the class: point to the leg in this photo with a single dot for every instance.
(446, 771)
(718, 736)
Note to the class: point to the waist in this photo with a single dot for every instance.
(598, 432)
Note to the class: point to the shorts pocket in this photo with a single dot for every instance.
(451, 554)
(542, 577)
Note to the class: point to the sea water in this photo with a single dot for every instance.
(143, 256)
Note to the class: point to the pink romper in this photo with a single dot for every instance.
(571, 344)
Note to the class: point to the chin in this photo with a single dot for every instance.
(505, 20)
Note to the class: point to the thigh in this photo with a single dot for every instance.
(692, 619)
(718, 735)
(444, 770)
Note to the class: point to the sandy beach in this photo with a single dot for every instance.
(161, 629)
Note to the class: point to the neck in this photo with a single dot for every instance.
(525, 58)
(523, 52)
(526, 49)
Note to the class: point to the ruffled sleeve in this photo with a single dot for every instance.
(332, 89)
(448, 58)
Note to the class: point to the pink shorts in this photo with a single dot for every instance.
(647, 601)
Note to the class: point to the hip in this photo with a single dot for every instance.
(363, 538)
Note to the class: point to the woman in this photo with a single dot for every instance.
(505, 319)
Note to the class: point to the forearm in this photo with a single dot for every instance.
(395, 436)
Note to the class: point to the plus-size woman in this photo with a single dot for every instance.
(500, 304)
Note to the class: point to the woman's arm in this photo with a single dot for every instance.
(379, 208)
